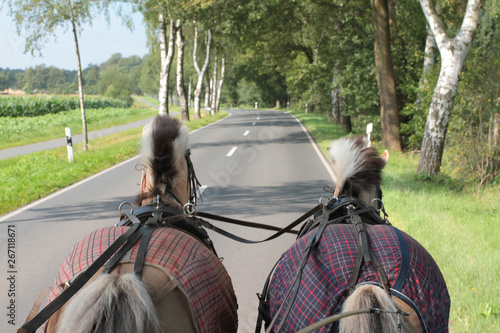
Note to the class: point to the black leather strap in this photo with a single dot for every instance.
(143, 248)
(280, 231)
(79, 282)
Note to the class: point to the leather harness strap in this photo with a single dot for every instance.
(280, 231)
(365, 253)
(52, 307)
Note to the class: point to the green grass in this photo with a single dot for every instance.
(18, 131)
(458, 228)
(33, 176)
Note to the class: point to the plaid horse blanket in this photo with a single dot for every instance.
(200, 274)
(410, 269)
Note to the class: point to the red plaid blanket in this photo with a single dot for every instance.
(199, 272)
(326, 276)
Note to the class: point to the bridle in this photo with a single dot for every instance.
(345, 209)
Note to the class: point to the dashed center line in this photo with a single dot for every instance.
(246, 133)
(231, 152)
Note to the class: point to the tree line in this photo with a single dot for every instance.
(424, 72)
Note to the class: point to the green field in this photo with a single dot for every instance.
(459, 228)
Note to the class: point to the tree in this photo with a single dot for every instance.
(453, 52)
(389, 114)
(39, 19)
(166, 56)
(201, 72)
(181, 90)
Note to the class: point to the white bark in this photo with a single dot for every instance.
(181, 91)
(166, 56)
(80, 84)
(213, 92)
(201, 72)
(453, 52)
(429, 58)
(221, 82)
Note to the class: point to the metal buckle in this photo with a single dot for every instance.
(190, 209)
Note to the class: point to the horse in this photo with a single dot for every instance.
(350, 270)
(170, 281)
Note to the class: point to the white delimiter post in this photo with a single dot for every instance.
(369, 129)
(69, 145)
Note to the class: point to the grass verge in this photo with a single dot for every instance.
(30, 177)
(458, 228)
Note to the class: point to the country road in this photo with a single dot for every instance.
(256, 165)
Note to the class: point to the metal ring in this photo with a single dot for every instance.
(381, 203)
(126, 203)
(190, 209)
(323, 198)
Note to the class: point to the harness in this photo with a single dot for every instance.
(343, 210)
(142, 223)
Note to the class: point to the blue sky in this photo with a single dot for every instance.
(97, 44)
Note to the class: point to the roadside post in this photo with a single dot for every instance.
(369, 129)
(69, 145)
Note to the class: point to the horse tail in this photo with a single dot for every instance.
(371, 296)
(111, 304)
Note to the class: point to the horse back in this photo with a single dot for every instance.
(325, 277)
(199, 274)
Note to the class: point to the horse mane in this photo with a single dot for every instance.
(357, 167)
(164, 145)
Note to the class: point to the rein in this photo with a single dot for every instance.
(141, 224)
(338, 210)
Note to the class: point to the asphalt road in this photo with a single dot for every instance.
(256, 165)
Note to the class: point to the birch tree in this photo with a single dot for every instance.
(201, 72)
(213, 90)
(39, 19)
(166, 57)
(181, 90)
(453, 52)
(220, 83)
(429, 58)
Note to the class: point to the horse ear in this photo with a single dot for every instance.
(385, 156)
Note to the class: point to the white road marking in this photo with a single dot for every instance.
(246, 133)
(231, 152)
(253, 123)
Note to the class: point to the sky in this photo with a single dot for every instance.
(97, 43)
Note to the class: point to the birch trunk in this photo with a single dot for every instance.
(429, 58)
(213, 92)
(389, 114)
(166, 56)
(201, 72)
(80, 89)
(453, 52)
(208, 92)
(181, 91)
(221, 82)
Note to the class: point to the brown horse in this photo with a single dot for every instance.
(182, 286)
(352, 264)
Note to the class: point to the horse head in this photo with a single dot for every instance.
(358, 169)
(167, 169)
